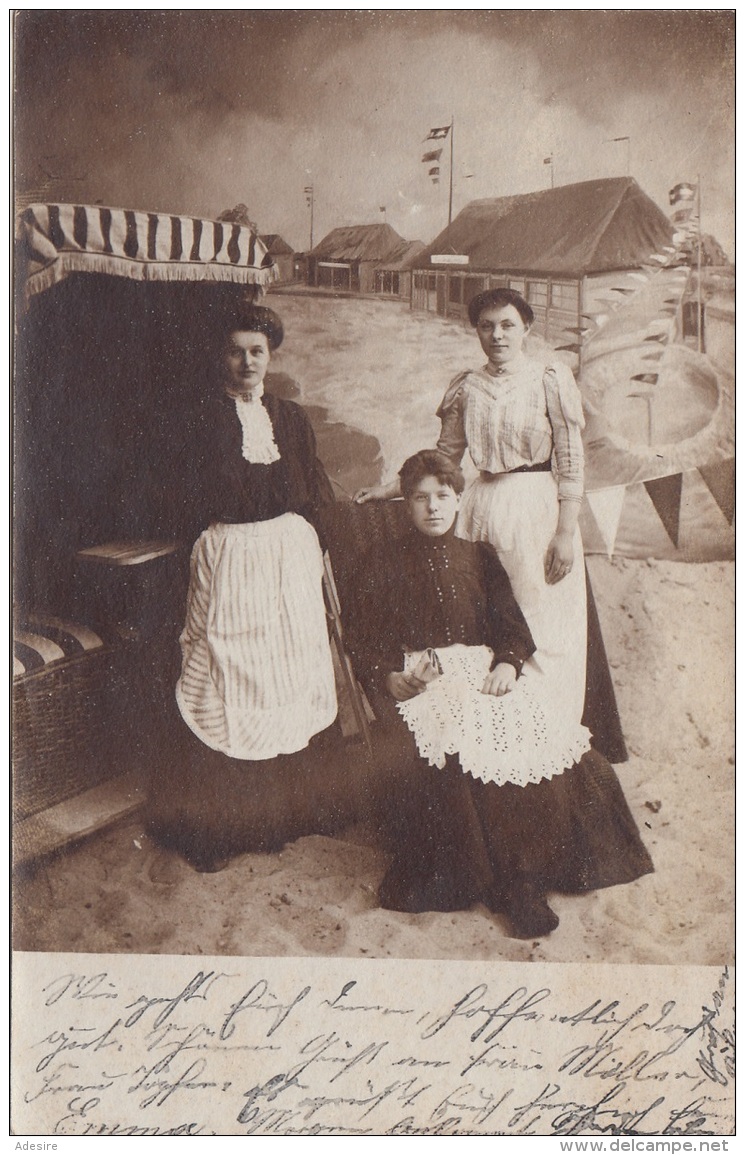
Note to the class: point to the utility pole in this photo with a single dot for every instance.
(309, 198)
(450, 201)
(699, 334)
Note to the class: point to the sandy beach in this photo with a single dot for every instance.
(380, 371)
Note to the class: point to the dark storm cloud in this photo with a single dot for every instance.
(614, 50)
(235, 59)
(194, 110)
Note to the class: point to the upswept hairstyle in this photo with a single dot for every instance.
(497, 299)
(254, 319)
(430, 463)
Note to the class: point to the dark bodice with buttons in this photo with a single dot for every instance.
(217, 484)
(433, 591)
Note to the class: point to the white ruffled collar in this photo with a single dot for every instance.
(259, 446)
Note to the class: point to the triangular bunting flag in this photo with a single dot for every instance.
(647, 378)
(605, 506)
(618, 289)
(720, 481)
(567, 348)
(656, 337)
(665, 495)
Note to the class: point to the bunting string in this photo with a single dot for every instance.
(696, 508)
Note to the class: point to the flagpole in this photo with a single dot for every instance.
(450, 201)
(699, 341)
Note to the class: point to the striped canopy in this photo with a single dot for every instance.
(58, 239)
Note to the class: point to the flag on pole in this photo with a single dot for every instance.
(685, 191)
(683, 201)
(438, 133)
(430, 156)
(548, 160)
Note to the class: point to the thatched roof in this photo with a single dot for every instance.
(276, 245)
(402, 259)
(359, 243)
(590, 227)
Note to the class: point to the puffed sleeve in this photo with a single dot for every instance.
(452, 439)
(564, 405)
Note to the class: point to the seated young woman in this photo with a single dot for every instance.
(489, 796)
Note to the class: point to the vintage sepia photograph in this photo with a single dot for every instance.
(373, 535)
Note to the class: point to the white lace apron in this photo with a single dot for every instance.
(497, 739)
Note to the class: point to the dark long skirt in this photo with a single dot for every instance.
(456, 840)
(209, 807)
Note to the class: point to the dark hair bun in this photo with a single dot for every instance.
(255, 319)
(498, 299)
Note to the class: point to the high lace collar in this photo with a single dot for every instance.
(249, 396)
(508, 370)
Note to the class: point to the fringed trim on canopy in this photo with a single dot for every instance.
(60, 239)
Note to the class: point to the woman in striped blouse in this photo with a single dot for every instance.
(257, 680)
(521, 420)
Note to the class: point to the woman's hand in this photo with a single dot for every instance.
(501, 680)
(403, 686)
(559, 558)
(378, 492)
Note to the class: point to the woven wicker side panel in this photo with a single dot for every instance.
(68, 730)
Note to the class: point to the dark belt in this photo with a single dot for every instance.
(541, 467)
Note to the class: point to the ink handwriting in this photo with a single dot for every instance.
(202, 1052)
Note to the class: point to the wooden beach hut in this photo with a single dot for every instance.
(561, 248)
(347, 258)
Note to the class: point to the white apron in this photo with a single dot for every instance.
(257, 677)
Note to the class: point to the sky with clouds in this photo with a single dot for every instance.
(195, 111)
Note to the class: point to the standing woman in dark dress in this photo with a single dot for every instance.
(257, 680)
